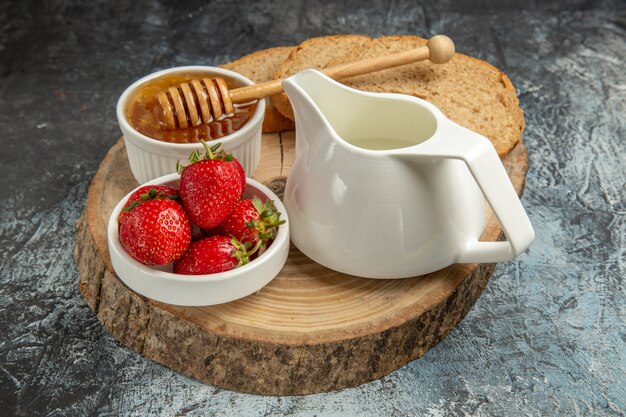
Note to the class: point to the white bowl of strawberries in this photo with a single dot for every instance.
(206, 236)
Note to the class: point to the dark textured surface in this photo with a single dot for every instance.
(547, 337)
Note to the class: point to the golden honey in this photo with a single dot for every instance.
(144, 113)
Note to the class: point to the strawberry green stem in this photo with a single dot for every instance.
(255, 248)
(211, 153)
(210, 150)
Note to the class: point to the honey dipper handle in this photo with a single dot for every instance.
(439, 49)
(256, 91)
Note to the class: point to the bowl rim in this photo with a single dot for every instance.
(246, 130)
(282, 238)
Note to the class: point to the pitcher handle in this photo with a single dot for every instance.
(483, 162)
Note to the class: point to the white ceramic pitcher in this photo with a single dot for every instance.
(385, 186)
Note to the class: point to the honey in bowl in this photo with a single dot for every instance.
(144, 113)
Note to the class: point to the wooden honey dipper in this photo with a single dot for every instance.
(203, 101)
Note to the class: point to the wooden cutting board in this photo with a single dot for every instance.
(310, 330)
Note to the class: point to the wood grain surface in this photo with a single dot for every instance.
(310, 330)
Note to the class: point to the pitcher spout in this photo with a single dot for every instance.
(305, 90)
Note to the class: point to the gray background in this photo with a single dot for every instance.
(545, 338)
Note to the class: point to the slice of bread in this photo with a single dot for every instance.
(469, 91)
(313, 53)
(260, 66)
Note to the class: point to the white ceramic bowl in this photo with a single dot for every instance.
(151, 158)
(160, 284)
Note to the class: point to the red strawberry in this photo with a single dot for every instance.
(252, 221)
(211, 255)
(155, 231)
(209, 188)
(150, 192)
